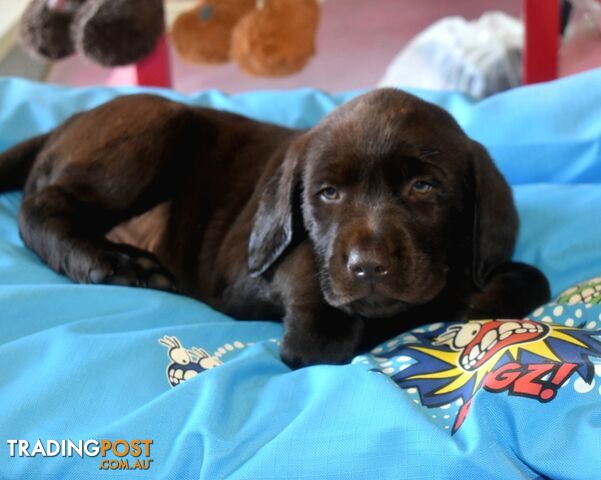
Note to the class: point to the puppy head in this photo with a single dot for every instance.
(393, 195)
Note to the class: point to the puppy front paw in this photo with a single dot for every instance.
(298, 351)
(129, 266)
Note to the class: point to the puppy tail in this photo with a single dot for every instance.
(16, 162)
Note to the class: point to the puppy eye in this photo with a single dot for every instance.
(421, 186)
(330, 194)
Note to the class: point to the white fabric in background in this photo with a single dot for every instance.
(478, 57)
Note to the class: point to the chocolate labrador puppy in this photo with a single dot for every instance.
(382, 217)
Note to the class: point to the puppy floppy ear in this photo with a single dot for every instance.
(273, 226)
(495, 217)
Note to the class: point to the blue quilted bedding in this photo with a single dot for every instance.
(104, 382)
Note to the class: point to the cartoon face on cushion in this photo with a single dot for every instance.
(186, 363)
(480, 340)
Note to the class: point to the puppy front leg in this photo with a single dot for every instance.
(68, 235)
(319, 335)
(315, 332)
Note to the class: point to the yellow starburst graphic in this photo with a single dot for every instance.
(523, 357)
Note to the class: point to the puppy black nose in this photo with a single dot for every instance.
(367, 264)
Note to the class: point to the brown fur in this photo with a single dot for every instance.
(382, 217)
(203, 35)
(118, 32)
(278, 39)
(108, 32)
(46, 32)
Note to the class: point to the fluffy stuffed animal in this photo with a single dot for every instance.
(108, 32)
(278, 38)
(203, 34)
(265, 37)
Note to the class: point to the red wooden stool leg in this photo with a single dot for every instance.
(155, 70)
(541, 45)
(152, 71)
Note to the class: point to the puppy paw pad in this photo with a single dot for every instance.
(132, 268)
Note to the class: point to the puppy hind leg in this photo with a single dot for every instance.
(68, 234)
(513, 290)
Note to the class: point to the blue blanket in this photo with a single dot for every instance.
(113, 382)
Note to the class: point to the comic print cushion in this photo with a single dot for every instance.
(443, 365)
(585, 292)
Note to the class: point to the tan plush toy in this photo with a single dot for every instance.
(276, 39)
(266, 37)
(203, 35)
(108, 32)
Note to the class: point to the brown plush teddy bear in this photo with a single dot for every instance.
(203, 35)
(265, 37)
(108, 32)
(277, 39)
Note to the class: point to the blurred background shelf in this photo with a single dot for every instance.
(13, 61)
(356, 41)
(10, 11)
